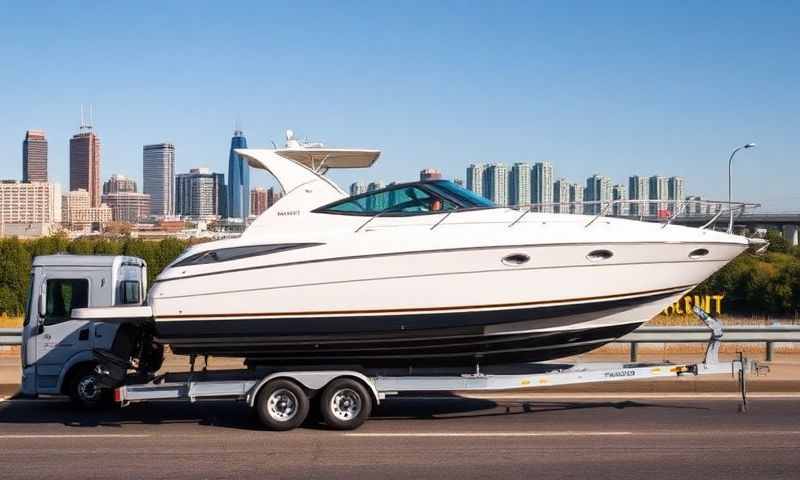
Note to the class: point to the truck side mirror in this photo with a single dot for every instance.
(42, 302)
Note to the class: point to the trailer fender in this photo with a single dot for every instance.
(314, 380)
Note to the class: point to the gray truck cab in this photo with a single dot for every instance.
(58, 349)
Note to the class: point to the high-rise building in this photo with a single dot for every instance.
(676, 192)
(520, 188)
(659, 196)
(78, 212)
(84, 163)
(197, 193)
(561, 197)
(430, 174)
(258, 201)
(621, 206)
(496, 183)
(542, 185)
(639, 194)
(158, 175)
(597, 195)
(357, 188)
(377, 202)
(33, 202)
(475, 179)
(119, 183)
(34, 156)
(458, 181)
(238, 179)
(271, 197)
(576, 199)
(128, 206)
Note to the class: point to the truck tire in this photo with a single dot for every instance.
(345, 404)
(282, 405)
(84, 390)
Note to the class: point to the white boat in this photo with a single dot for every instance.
(421, 273)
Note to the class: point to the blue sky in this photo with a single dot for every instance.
(616, 88)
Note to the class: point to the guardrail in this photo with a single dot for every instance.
(10, 336)
(732, 334)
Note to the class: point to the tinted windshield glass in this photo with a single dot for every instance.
(401, 200)
(467, 198)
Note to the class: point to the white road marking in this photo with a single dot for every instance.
(565, 434)
(489, 434)
(68, 436)
(622, 396)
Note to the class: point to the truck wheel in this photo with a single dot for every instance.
(84, 389)
(281, 405)
(345, 404)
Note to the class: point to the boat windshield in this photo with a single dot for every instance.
(409, 199)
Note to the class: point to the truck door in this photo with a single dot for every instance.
(58, 337)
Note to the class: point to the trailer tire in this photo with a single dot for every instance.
(282, 405)
(84, 391)
(345, 404)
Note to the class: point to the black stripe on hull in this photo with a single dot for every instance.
(451, 338)
(316, 329)
(514, 348)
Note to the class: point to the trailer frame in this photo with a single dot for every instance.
(246, 384)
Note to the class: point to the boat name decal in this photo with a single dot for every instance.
(289, 212)
(621, 373)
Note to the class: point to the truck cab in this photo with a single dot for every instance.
(58, 350)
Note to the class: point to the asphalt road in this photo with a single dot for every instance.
(439, 438)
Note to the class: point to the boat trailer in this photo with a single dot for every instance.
(283, 397)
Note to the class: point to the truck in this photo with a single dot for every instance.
(73, 345)
(58, 351)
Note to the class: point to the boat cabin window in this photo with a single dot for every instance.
(408, 199)
(129, 292)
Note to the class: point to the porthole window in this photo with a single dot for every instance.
(599, 255)
(699, 253)
(515, 259)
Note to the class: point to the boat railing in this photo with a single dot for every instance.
(662, 211)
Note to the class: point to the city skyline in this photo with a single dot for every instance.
(424, 101)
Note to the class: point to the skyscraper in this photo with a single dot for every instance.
(258, 201)
(119, 183)
(598, 192)
(34, 156)
(377, 202)
(357, 188)
(639, 191)
(84, 163)
(158, 172)
(542, 185)
(561, 197)
(520, 188)
(475, 181)
(430, 174)
(576, 198)
(496, 184)
(238, 179)
(676, 187)
(197, 193)
(659, 196)
(621, 205)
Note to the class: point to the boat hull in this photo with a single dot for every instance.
(487, 336)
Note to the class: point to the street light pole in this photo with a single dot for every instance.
(730, 182)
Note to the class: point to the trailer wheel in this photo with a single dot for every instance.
(345, 404)
(281, 405)
(84, 389)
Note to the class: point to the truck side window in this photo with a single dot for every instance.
(129, 292)
(64, 294)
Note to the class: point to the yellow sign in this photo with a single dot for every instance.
(706, 302)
